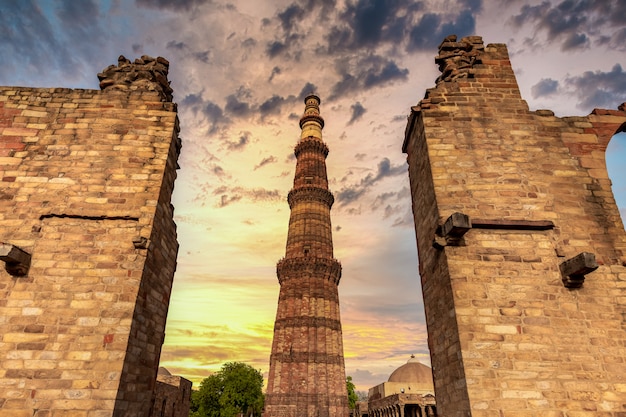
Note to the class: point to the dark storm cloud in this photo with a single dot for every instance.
(236, 107)
(575, 23)
(381, 73)
(599, 89)
(175, 5)
(278, 47)
(357, 112)
(272, 105)
(373, 21)
(367, 24)
(432, 28)
(348, 195)
(275, 48)
(545, 87)
(214, 114)
(575, 41)
(368, 72)
(290, 16)
(352, 193)
(287, 25)
(306, 90)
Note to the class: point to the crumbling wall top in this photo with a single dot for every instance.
(145, 73)
(456, 59)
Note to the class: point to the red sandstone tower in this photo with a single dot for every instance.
(307, 374)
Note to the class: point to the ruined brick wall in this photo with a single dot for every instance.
(87, 178)
(172, 396)
(509, 334)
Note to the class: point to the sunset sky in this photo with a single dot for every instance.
(239, 70)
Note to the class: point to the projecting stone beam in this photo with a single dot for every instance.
(17, 261)
(573, 270)
(456, 225)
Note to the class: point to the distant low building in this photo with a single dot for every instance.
(172, 395)
(409, 392)
(360, 409)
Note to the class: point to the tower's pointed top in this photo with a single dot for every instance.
(314, 96)
(311, 122)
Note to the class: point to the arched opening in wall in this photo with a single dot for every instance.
(616, 167)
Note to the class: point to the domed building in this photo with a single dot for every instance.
(409, 392)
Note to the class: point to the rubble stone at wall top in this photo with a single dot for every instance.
(145, 73)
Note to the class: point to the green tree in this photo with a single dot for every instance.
(352, 396)
(235, 388)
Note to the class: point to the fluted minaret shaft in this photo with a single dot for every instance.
(307, 372)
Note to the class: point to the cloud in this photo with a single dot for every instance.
(375, 21)
(174, 5)
(364, 73)
(218, 171)
(272, 105)
(78, 15)
(275, 71)
(545, 87)
(290, 16)
(29, 40)
(575, 41)
(357, 112)
(431, 28)
(575, 23)
(269, 160)
(598, 89)
(275, 48)
(306, 90)
(237, 107)
(229, 195)
(350, 194)
(244, 139)
(176, 45)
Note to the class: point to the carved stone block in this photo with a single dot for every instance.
(456, 226)
(573, 270)
(17, 261)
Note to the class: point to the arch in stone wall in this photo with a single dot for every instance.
(615, 156)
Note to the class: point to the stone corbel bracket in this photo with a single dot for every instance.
(17, 261)
(451, 232)
(573, 270)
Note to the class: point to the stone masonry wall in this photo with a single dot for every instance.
(87, 178)
(171, 396)
(509, 334)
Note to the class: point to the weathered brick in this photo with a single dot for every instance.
(510, 306)
(63, 144)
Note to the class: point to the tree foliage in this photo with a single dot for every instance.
(235, 388)
(352, 395)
